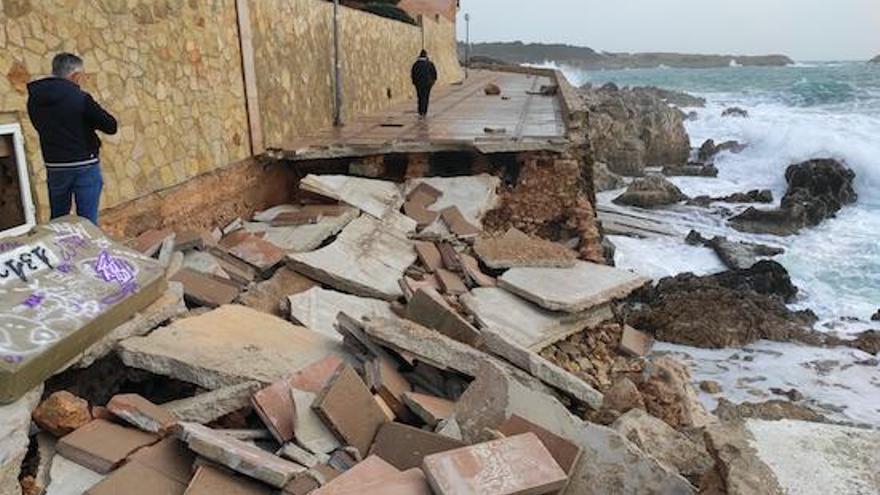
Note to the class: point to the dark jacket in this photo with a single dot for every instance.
(66, 117)
(424, 73)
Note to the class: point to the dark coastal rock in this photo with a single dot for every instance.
(691, 170)
(632, 128)
(817, 189)
(735, 112)
(649, 192)
(606, 180)
(876, 316)
(753, 196)
(875, 60)
(771, 410)
(735, 255)
(733, 308)
(692, 115)
(868, 341)
(709, 149)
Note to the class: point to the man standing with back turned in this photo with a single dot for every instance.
(66, 117)
(424, 75)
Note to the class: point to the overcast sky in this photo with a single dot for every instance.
(802, 29)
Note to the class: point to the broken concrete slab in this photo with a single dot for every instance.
(302, 456)
(64, 287)
(347, 406)
(516, 249)
(525, 323)
(308, 237)
(531, 362)
(206, 290)
(410, 286)
(430, 409)
(429, 255)
(240, 272)
(584, 286)
(367, 259)
(102, 446)
(137, 479)
(664, 443)
(405, 447)
(212, 481)
(204, 262)
(473, 273)
(168, 306)
(429, 309)
(271, 295)
(473, 195)
(518, 465)
(318, 308)
(188, 240)
(564, 452)
(210, 406)
(371, 470)
(228, 346)
(169, 457)
(254, 250)
(140, 412)
(239, 456)
(15, 422)
(771, 457)
(309, 429)
(458, 224)
(378, 198)
(635, 343)
(609, 464)
(69, 478)
(450, 282)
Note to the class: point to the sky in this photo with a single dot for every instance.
(806, 30)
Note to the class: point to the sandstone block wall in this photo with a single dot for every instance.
(172, 72)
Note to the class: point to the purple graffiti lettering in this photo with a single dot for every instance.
(116, 298)
(34, 300)
(65, 268)
(112, 269)
(9, 246)
(70, 245)
(13, 359)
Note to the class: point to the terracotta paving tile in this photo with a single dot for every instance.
(151, 241)
(417, 211)
(451, 283)
(411, 482)
(353, 481)
(430, 409)
(384, 378)
(171, 457)
(101, 445)
(142, 413)
(450, 257)
(424, 194)
(458, 224)
(404, 447)
(212, 481)
(474, 274)
(347, 405)
(428, 308)
(276, 409)
(314, 377)
(429, 255)
(563, 451)
(205, 290)
(259, 253)
(137, 479)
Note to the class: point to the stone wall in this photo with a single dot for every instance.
(172, 73)
(293, 52)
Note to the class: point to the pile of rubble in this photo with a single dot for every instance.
(374, 339)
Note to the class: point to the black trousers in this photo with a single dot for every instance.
(424, 94)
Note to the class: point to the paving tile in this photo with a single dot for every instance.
(205, 290)
(518, 465)
(276, 409)
(473, 195)
(381, 199)
(170, 457)
(239, 456)
(210, 406)
(635, 343)
(450, 257)
(317, 309)
(142, 413)
(450, 282)
(474, 273)
(418, 212)
(565, 453)
(424, 194)
(259, 253)
(101, 445)
(192, 239)
(405, 447)
(137, 479)
(429, 408)
(517, 249)
(355, 479)
(309, 237)
(309, 429)
(150, 242)
(429, 309)
(384, 378)
(410, 285)
(314, 377)
(270, 296)
(458, 224)
(411, 482)
(212, 481)
(347, 405)
(429, 255)
(239, 271)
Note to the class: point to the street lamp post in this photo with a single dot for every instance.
(467, 44)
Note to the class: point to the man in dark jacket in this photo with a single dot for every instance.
(424, 75)
(66, 118)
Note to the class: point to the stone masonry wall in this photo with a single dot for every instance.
(293, 50)
(171, 71)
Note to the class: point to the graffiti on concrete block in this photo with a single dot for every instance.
(24, 262)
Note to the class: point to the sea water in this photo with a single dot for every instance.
(800, 112)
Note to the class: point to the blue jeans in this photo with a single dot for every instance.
(83, 184)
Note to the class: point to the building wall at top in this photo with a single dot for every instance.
(293, 52)
(170, 71)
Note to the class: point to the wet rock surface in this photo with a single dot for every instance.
(771, 410)
(708, 150)
(649, 192)
(735, 112)
(817, 190)
(692, 169)
(753, 196)
(736, 255)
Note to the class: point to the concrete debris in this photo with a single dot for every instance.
(212, 481)
(525, 323)
(565, 453)
(206, 290)
(170, 457)
(458, 224)
(69, 478)
(309, 429)
(584, 286)
(310, 236)
(430, 409)
(516, 249)
(210, 406)
(189, 240)
(429, 309)
(62, 413)
(317, 309)
(140, 412)
(135, 478)
(150, 242)
(239, 456)
(405, 447)
(65, 264)
(473, 273)
(450, 282)
(15, 422)
(428, 255)
(240, 272)
(518, 465)
(358, 479)
(380, 199)
(254, 250)
(302, 456)
(227, 346)
(367, 259)
(205, 263)
(347, 405)
(474, 196)
(270, 296)
(102, 446)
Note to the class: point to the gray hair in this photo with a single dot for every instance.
(65, 64)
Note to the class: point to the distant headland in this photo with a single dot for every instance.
(875, 60)
(524, 53)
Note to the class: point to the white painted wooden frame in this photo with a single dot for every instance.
(24, 182)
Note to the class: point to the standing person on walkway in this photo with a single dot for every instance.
(67, 118)
(424, 75)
